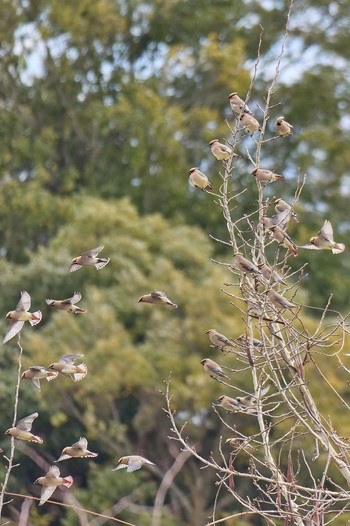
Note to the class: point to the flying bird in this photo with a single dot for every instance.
(35, 373)
(50, 481)
(77, 450)
(250, 123)
(66, 367)
(88, 259)
(221, 151)
(219, 340)
(212, 368)
(325, 240)
(282, 206)
(237, 104)
(20, 315)
(283, 239)
(132, 463)
(68, 304)
(157, 297)
(199, 179)
(22, 429)
(266, 176)
(283, 127)
(244, 265)
(279, 301)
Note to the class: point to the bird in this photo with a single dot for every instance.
(157, 297)
(282, 206)
(250, 123)
(230, 404)
(221, 151)
(132, 463)
(50, 481)
(68, 304)
(269, 274)
(77, 450)
(89, 258)
(283, 127)
(244, 265)
(219, 340)
(325, 240)
(244, 340)
(22, 429)
(35, 373)
(279, 301)
(283, 239)
(199, 179)
(249, 401)
(212, 368)
(66, 367)
(266, 176)
(20, 315)
(237, 104)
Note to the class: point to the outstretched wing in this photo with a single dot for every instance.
(74, 299)
(93, 252)
(14, 328)
(25, 424)
(81, 444)
(70, 358)
(158, 294)
(74, 267)
(310, 246)
(24, 303)
(327, 231)
(134, 465)
(46, 492)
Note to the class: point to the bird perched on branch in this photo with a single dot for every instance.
(221, 151)
(199, 179)
(66, 367)
(35, 373)
(219, 340)
(88, 259)
(68, 304)
(230, 404)
(22, 429)
(283, 239)
(157, 297)
(282, 206)
(325, 240)
(266, 176)
(249, 123)
(50, 481)
(269, 274)
(212, 368)
(283, 127)
(18, 316)
(279, 301)
(132, 463)
(77, 450)
(237, 104)
(244, 265)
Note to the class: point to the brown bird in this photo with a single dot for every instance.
(282, 206)
(68, 304)
(212, 368)
(250, 123)
(77, 450)
(237, 104)
(66, 367)
(157, 297)
(269, 274)
(244, 340)
(325, 240)
(283, 239)
(219, 340)
(35, 373)
(283, 127)
(244, 265)
(279, 301)
(132, 463)
(221, 151)
(20, 315)
(230, 404)
(265, 176)
(50, 482)
(199, 179)
(89, 258)
(21, 431)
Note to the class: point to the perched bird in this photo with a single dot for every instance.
(282, 206)
(325, 240)
(132, 463)
(199, 179)
(244, 340)
(228, 403)
(49, 483)
(219, 340)
(283, 239)
(35, 373)
(20, 315)
(221, 151)
(244, 265)
(279, 301)
(269, 274)
(88, 259)
(250, 123)
(77, 450)
(68, 304)
(283, 127)
(21, 431)
(237, 104)
(66, 367)
(265, 176)
(212, 368)
(157, 297)
(249, 401)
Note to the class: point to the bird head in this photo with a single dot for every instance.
(9, 431)
(191, 170)
(254, 172)
(279, 120)
(221, 398)
(206, 332)
(213, 141)
(276, 201)
(141, 299)
(203, 361)
(52, 366)
(74, 260)
(64, 451)
(24, 375)
(9, 315)
(313, 239)
(232, 94)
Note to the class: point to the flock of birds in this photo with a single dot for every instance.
(66, 364)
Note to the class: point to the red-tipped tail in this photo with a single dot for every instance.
(81, 372)
(279, 176)
(36, 439)
(68, 481)
(36, 317)
(209, 187)
(79, 310)
(338, 248)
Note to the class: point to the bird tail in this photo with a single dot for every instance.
(223, 375)
(102, 262)
(68, 481)
(36, 317)
(51, 375)
(172, 304)
(36, 439)
(278, 176)
(79, 310)
(338, 248)
(81, 372)
(209, 187)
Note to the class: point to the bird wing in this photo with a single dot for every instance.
(14, 328)
(53, 472)
(81, 444)
(63, 457)
(70, 358)
(75, 298)
(46, 492)
(282, 218)
(25, 424)
(327, 231)
(120, 466)
(93, 252)
(158, 294)
(310, 246)
(24, 303)
(134, 465)
(39, 368)
(74, 267)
